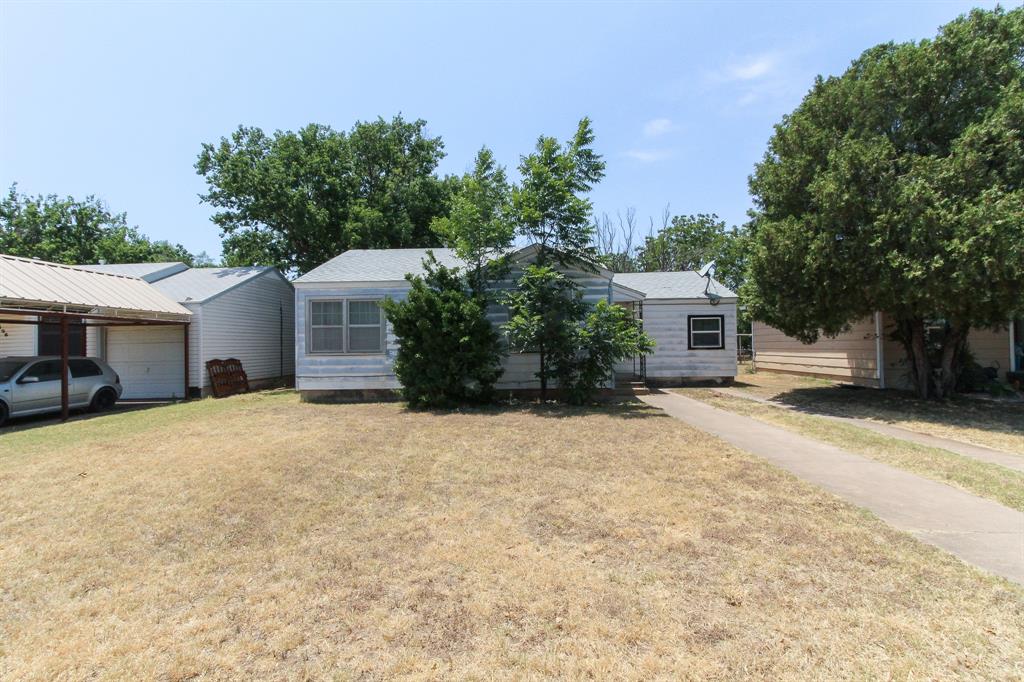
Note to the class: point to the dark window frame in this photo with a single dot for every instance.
(689, 332)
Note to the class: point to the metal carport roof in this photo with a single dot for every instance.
(39, 286)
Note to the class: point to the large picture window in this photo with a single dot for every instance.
(345, 326)
(706, 332)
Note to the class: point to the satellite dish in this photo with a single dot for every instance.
(706, 270)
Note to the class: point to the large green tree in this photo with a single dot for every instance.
(478, 226)
(550, 206)
(297, 199)
(72, 231)
(899, 187)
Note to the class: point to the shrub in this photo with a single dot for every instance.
(449, 353)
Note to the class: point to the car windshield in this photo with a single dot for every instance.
(9, 367)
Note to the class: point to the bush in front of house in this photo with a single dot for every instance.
(449, 352)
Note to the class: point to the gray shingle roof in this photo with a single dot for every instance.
(377, 265)
(682, 284)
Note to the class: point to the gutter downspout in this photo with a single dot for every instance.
(879, 351)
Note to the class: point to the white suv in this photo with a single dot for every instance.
(31, 385)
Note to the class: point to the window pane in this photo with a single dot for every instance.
(706, 340)
(327, 313)
(364, 339)
(84, 368)
(705, 324)
(327, 340)
(48, 370)
(363, 312)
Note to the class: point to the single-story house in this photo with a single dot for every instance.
(867, 355)
(245, 313)
(344, 346)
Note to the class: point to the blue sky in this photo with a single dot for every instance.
(114, 99)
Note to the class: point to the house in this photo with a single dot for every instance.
(245, 313)
(867, 355)
(344, 347)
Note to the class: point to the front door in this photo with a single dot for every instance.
(42, 392)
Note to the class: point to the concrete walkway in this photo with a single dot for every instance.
(978, 452)
(979, 531)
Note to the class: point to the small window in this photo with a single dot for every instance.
(84, 368)
(706, 332)
(47, 370)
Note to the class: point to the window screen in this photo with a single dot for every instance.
(327, 327)
(706, 332)
(364, 327)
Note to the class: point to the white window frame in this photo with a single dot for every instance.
(345, 326)
(690, 332)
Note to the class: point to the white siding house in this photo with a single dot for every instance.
(243, 313)
(344, 346)
(693, 323)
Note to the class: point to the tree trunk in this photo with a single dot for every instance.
(543, 378)
(952, 349)
(910, 332)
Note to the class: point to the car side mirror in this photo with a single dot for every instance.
(28, 380)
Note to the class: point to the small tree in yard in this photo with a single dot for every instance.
(544, 310)
(478, 226)
(899, 187)
(449, 352)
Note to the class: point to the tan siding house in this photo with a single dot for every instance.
(866, 355)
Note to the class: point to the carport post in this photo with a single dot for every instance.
(185, 329)
(63, 367)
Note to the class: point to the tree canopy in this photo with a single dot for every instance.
(297, 199)
(479, 227)
(550, 206)
(71, 231)
(899, 186)
(690, 242)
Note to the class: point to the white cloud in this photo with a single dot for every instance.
(658, 126)
(752, 67)
(649, 155)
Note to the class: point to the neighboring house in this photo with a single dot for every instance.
(244, 313)
(345, 348)
(867, 355)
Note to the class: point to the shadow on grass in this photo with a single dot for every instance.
(19, 424)
(891, 406)
(625, 409)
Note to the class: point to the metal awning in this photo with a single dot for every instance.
(36, 286)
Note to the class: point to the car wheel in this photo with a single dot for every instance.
(3, 414)
(103, 400)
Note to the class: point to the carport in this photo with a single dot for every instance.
(35, 292)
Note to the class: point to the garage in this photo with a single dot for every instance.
(149, 360)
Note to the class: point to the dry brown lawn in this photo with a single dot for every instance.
(995, 424)
(260, 537)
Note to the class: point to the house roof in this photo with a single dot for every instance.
(149, 272)
(378, 265)
(197, 285)
(392, 265)
(182, 283)
(30, 284)
(681, 284)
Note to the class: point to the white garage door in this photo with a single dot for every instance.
(149, 360)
